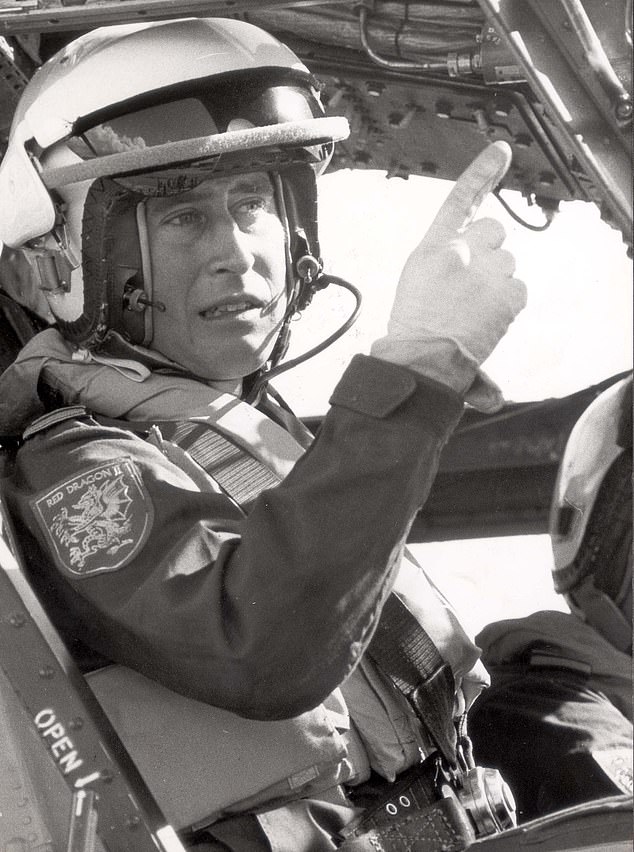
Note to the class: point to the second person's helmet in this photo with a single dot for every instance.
(591, 516)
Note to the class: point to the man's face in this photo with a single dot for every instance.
(219, 267)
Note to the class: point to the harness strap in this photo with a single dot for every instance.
(400, 648)
(404, 652)
(241, 475)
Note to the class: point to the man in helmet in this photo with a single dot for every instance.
(160, 178)
(557, 720)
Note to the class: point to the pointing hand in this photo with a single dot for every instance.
(457, 293)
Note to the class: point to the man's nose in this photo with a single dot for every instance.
(229, 247)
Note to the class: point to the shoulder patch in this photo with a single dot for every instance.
(98, 520)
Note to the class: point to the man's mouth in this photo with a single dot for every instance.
(229, 309)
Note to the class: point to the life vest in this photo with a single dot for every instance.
(202, 762)
(199, 761)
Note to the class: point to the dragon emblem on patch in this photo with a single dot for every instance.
(98, 520)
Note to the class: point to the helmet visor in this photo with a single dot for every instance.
(169, 147)
(202, 113)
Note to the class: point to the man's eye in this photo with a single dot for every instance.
(251, 205)
(184, 219)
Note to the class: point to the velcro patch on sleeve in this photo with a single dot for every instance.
(98, 520)
(373, 387)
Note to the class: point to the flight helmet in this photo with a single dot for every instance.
(127, 112)
(591, 516)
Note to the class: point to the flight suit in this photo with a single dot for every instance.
(259, 615)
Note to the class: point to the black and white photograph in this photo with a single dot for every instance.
(316, 352)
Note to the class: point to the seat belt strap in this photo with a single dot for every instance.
(240, 474)
(68, 720)
(405, 653)
(401, 648)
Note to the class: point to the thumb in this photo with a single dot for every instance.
(470, 190)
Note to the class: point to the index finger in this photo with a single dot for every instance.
(472, 187)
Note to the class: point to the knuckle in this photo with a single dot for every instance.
(505, 261)
(519, 295)
(489, 231)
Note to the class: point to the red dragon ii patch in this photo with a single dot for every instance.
(98, 520)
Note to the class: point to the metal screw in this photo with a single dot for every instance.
(132, 822)
(480, 118)
(374, 89)
(444, 109)
(522, 140)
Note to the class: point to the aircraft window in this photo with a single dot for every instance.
(576, 330)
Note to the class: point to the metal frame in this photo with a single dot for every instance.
(574, 94)
(27, 16)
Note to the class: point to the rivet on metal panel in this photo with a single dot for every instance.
(444, 109)
(502, 108)
(375, 89)
(522, 140)
(398, 170)
(402, 120)
(482, 121)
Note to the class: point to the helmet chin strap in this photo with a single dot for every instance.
(139, 298)
(146, 271)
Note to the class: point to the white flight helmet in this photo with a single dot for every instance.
(131, 111)
(591, 516)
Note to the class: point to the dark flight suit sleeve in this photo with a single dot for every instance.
(263, 615)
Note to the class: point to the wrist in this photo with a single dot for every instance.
(440, 359)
